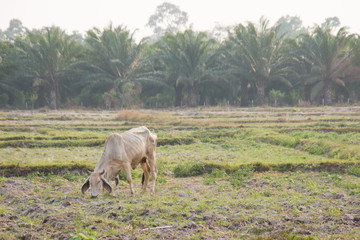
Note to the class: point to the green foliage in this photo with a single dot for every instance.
(109, 69)
(160, 100)
(3, 211)
(315, 147)
(323, 51)
(334, 212)
(189, 169)
(175, 141)
(276, 96)
(218, 173)
(354, 170)
(46, 54)
(88, 235)
(209, 179)
(4, 98)
(238, 176)
(188, 60)
(112, 67)
(255, 52)
(72, 177)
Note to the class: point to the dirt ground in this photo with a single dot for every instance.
(267, 206)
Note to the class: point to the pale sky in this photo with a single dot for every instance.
(82, 15)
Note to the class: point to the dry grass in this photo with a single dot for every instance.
(131, 115)
(141, 116)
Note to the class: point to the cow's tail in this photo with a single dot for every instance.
(147, 167)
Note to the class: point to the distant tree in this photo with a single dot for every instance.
(168, 58)
(45, 54)
(113, 63)
(2, 35)
(167, 18)
(78, 37)
(189, 61)
(219, 32)
(352, 74)
(290, 26)
(14, 30)
(331, 23)
(330, 57)
(237, 70)
(261, 54)
(9, 90)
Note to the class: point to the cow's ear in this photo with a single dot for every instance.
(106, 184)
(86, 186)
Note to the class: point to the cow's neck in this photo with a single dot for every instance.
(100, 166)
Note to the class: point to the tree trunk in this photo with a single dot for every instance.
(260, 85)
(307, 90)
(53, 93)
(52, 98)
(244, 102)
(202, 99)
(179, 94)
(192, 95)
(328, 93)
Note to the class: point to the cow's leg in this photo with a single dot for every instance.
(127, 170)
(146, 168)
(153, 171)
(117, 180)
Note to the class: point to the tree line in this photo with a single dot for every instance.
(255, 64)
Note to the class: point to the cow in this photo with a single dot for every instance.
(123, 152)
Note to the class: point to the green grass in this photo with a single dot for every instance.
(267, 139)
(261, 173)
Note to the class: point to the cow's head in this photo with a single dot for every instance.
(96, 182)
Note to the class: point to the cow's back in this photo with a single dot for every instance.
(130, 146)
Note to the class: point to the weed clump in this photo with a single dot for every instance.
(215, 173)
(189, 169)
(354, 170)
(239, 175)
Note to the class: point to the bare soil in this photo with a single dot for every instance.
(267, 206)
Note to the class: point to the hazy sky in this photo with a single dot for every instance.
(82, 15)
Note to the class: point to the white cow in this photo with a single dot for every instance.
(124, 151)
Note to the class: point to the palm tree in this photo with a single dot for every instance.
(168, 60)
(45, 55)
(329, 57)
(112, 63)
(257, 54)
(190, 61)
(8, 89)
(237, 70)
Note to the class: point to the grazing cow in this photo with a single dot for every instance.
(124, 151)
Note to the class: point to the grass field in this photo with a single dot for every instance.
(224, 173)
